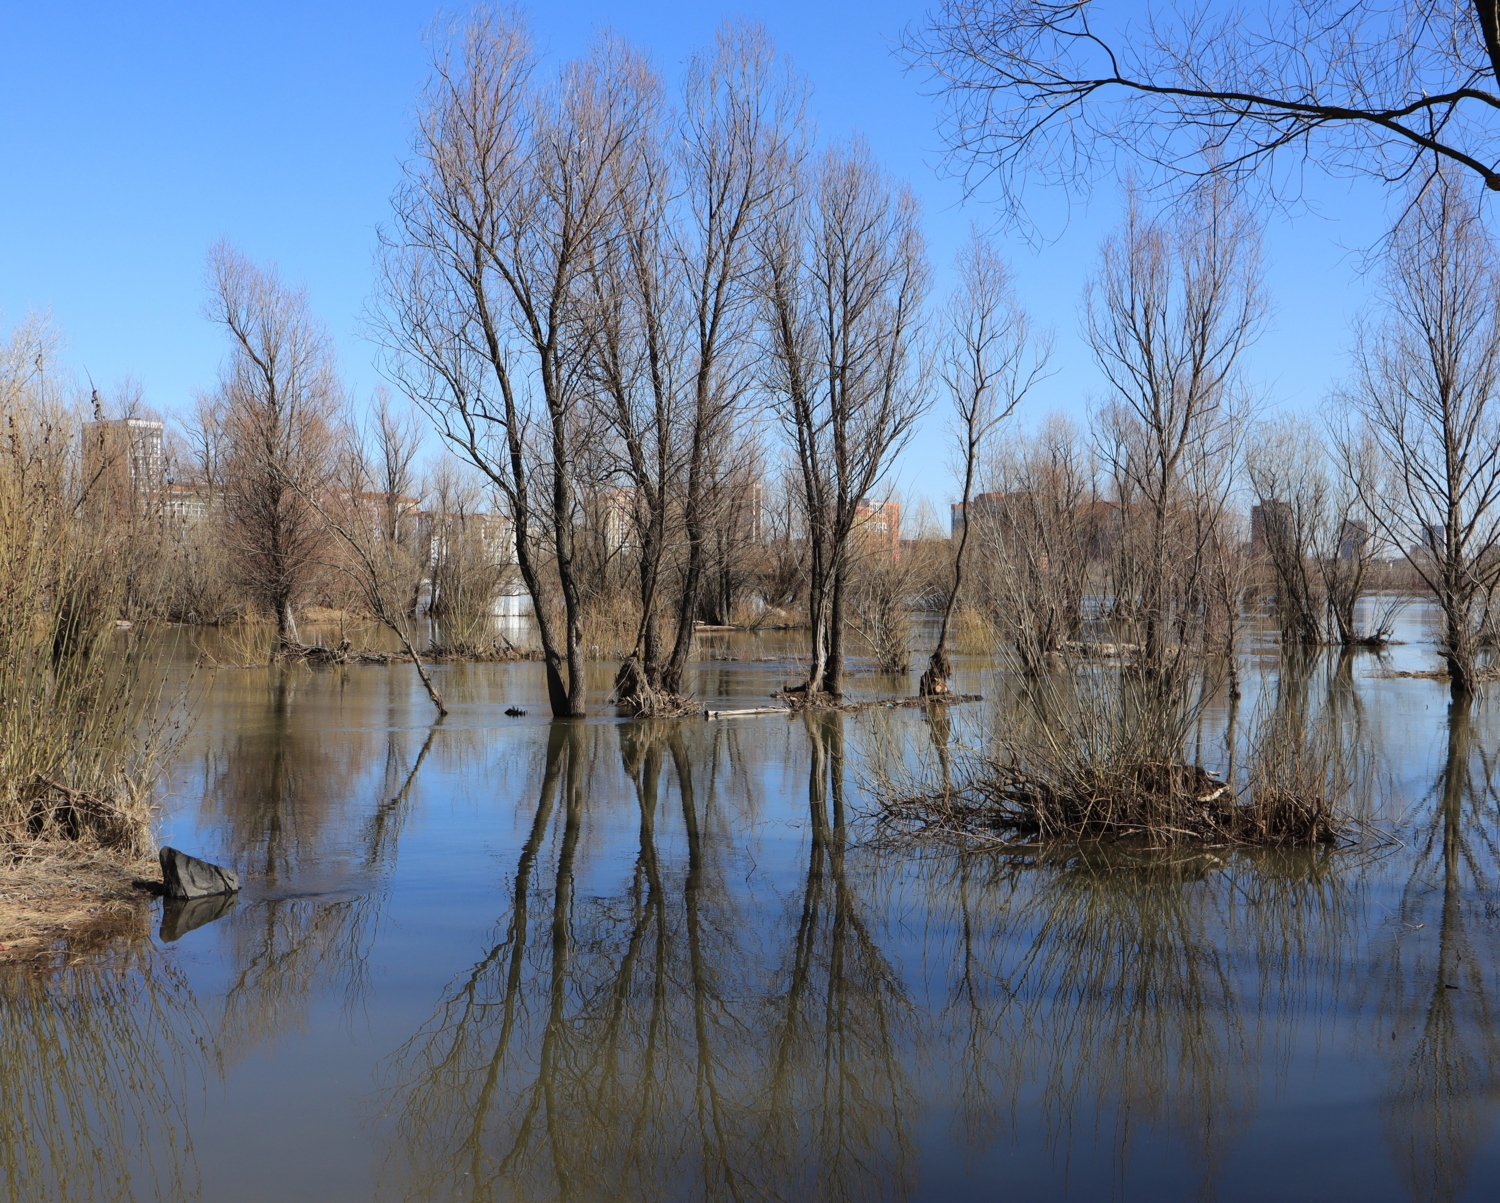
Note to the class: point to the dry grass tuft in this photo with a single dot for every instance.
(971, 633)
(118, 824)
(1098, 755)
(83, 734)
(60, 898)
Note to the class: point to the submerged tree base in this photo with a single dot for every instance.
(635, 693)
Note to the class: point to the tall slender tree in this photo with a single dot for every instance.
(507, 198)
(1424, 393)
(844, 276)
(989, 364)
(672, 291)
(278, 397)
(1168, 316)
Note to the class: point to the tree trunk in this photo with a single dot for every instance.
(833, 677)
(286, 625)
(687, 607)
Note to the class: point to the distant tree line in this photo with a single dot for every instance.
(671, 349)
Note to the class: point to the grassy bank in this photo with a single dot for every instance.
(81, 742)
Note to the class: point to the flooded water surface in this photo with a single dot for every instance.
(514, 959)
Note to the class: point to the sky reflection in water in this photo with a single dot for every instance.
(511, 959)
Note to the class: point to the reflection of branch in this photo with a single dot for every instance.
(95, 1065)
(1446, 1072)
(1116, 988)
(622, 1058)
(562, 900)
(716, 1152)
(516, 938)
(841, 1013)
(271, 787)
(393, 808)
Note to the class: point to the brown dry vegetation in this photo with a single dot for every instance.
(1092, 754)
(80, 740)
(54, 899)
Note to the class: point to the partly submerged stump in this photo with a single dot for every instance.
(184, 876)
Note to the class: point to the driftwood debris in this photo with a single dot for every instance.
(710, 713)
(797, 704)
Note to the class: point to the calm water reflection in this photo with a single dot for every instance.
(502, 959)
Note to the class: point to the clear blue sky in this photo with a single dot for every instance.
(134, 136)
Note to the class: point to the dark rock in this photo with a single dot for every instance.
(185, 876)
(181, 915)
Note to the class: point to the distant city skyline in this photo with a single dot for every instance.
(133, 140)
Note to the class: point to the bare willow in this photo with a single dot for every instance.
(507, 196)
(1038, 529)
(844, 275)
(1424, 394)
(1168, 316)
(1285, 465)
(670, 290)
(989, 363)
(377, 529)
(278, 396)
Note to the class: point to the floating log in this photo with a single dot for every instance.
(743, 713)
(799, 706)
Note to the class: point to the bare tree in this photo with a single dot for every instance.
(671, 288)
(741, 126)
(1313, 528)
(989, 363)
(1229, 569)
(1286, 466)
(507, 197)
(1424, 392)
(634, 286)
(377, 529)
(843, 279)
(1347, 546)
(203, 432)
(1045, 91)
(468, 553)
(1169, 314)
(1037, 532)
(738, 526)
(277, 397)
(388, 452)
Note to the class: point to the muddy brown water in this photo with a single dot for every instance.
(511, 959)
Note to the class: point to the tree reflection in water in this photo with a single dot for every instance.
(672, 1006)
(1435, 1013)
(676, 1037)
(1097, 995)
(100, 1061)
(837, 1102)
(98, 1066)
(283, 791)
(1096, 998)
(652, 1048)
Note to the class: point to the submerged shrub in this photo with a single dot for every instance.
(1099, 754)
